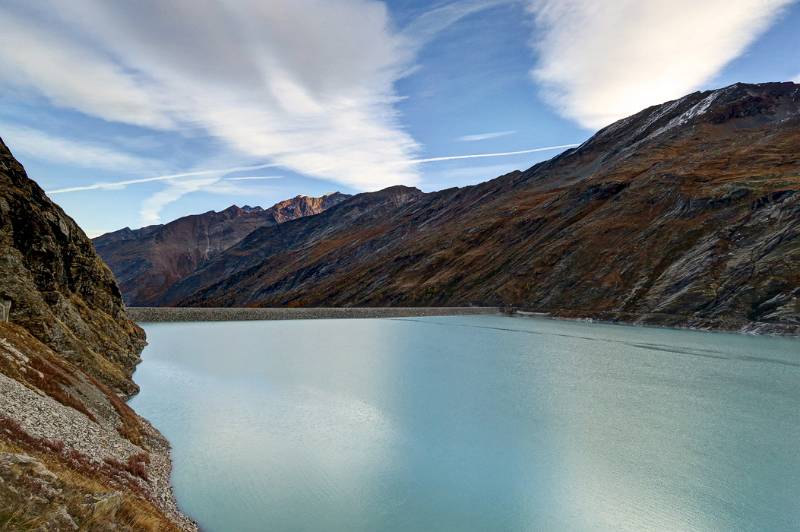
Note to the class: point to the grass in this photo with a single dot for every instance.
(45, 371)
(54, 376)
(136, 465)
(130, 426)
(121, 502)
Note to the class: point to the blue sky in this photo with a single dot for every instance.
(136, 113)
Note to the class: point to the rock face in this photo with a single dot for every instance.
(147, 261)
(57, 286)
(73, 455)
(687, 213)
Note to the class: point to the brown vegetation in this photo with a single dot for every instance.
(47, 479)
(671, 216)
(70, 349)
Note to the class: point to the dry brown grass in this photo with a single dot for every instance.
(123, 504)
(45, 371)
(130, 426)
(54, 376)
(136, 465)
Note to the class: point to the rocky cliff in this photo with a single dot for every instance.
(73, 455)
(687, 213)
(148, 261)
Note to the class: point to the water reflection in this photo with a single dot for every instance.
(475, 423)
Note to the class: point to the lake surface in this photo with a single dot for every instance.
(475, 423)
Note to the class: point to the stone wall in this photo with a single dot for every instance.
(159, 314)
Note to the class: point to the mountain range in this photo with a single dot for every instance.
(686, 213)
(148, 261)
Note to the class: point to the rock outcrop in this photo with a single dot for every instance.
(73, 455)
(148, 261)
(685, 214)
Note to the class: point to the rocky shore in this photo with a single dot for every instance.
(73, 454)
(95, 446)
(167, 314)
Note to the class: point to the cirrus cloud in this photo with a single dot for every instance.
(308, 84)
(53, 148)
(599, 61)
(485, 136)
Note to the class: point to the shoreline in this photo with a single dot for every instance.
(195, 314)
(178, 314)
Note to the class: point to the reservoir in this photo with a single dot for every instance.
(477, 423)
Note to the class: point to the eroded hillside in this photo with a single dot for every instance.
(687, 213)
(73, 455)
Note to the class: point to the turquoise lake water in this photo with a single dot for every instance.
(475, 423)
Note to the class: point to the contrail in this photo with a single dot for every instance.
(500, 154)
(110, 185)
(122, 184)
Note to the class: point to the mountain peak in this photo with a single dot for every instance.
(236, 210)
(703, 113)
(147, 261)
(685, 213)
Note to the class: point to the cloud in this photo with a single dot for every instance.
(601, 61)
(429, 24)
(485, 136)
(117, 185)
(796, 79)
(253, 177)
(150, 212)
(299, 82)
(44, 146)
(73, 75)
(177, 188)
(498, 154)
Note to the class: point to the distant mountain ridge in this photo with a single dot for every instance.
(686, 213)
(148, 261)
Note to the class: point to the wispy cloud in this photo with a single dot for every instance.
(428, 25)
(293, 81)
(214, 181)
(601, 61)
(221, 172)
(150, 212)
(35, 51)
(117, 185)
(48, 147)
(178, 186)
(485, 136)
(253, 177)
(152, 207)
(498, 154)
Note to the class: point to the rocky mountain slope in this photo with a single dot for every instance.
(687, 213)
(147, 261)
(73, 455)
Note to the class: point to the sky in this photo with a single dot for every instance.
(136, 113)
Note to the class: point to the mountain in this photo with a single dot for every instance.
(686, 213)
(147, 261)
(73, 455)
